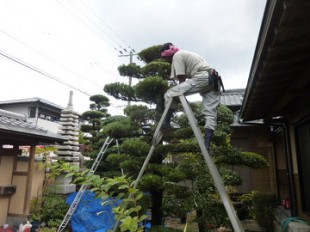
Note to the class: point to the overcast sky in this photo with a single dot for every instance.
(49, 47)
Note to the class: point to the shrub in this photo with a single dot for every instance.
(263, 206)
(50, 209)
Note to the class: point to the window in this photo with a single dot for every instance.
(303, 152)
(48, 114)
(32, 112)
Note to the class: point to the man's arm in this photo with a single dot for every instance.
(181, 78)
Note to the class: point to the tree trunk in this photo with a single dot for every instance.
(157, 214)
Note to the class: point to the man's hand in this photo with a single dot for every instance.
(181, 78)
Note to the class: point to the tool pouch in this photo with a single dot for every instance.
(215, 80)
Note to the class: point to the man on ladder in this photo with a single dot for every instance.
(201, 79)
(206, 81)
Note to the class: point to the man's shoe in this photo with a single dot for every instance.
(208, 138)
(166, 124)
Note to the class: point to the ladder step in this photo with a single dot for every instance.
(82, 189)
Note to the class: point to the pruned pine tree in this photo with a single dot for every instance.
(92, 126)
(199, 193)
(176, 178)
(135, 136)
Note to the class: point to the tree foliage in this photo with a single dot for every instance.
(151, 90)
(93, 119)
(203, 195)
(120, 129)
(178, 158)
(121, 91)
(150, 54)
(130, 70)
(157, 68)
(100, 103)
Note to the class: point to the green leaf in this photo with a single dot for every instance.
(102, 195)
(132, 190)
(124, 186)
(139, 196)
(129, 224)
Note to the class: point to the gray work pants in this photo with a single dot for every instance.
(210, 98)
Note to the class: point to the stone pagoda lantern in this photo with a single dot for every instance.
(69, 150)
(69, 122)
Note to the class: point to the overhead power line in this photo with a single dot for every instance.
(98, 26)
(54, 61)
(33, 68)
(85, 24)
(98, 17)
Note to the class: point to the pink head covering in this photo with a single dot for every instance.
(170, 52)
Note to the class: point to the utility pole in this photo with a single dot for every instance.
(125, 53)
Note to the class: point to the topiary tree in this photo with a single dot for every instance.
(202, 195)
(135, 143)
(93, 119)
(178, 159)
(91, 137)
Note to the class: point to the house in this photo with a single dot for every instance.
(40, 112)
(277, 94)
(252, 137)
(232, 98)
(20, 178)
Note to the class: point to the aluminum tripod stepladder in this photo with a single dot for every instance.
(211, 166)
(82, 189)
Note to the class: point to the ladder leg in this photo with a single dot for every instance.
(81, 191)
(156, 139)
(158, 134)
(212, 168)
(100, 154)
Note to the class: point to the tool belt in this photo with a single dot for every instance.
(215, 80)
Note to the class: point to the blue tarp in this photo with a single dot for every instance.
(86, 217)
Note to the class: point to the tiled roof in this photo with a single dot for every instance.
(232, 97)
(10, 120)
(31, 100)
(12, 114)
(17, 123)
